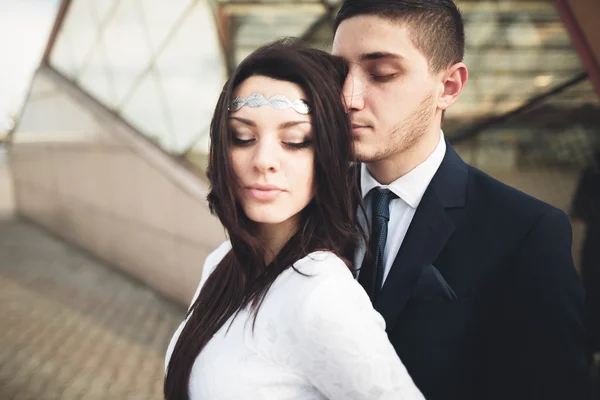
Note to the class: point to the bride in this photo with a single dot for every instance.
(278, 313)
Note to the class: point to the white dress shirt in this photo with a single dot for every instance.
(410, 189)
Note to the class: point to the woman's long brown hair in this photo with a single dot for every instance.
(242, 279)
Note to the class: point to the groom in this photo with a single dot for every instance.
(475, 279)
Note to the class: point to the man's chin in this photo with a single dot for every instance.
(365, 153)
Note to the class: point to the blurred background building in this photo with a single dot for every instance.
(104, 114)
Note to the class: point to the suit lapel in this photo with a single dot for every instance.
(428, 233)
(426, 237)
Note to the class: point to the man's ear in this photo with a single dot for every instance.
(454, 81)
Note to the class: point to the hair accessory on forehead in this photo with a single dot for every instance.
(279, 102)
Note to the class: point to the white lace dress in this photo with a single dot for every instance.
(315, 338)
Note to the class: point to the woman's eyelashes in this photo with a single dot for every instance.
(298, 145)
(242, 142)
(291, 145)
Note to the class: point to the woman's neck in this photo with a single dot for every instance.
(276, 236)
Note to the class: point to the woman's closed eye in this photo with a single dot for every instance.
(298, 145)
(242, 141)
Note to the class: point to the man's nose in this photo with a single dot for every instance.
(353, 93)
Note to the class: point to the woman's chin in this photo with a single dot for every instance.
(268, 218)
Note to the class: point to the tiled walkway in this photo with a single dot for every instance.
(71, 327)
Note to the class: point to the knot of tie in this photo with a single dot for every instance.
(381, 203)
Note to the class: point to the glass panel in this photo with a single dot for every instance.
(146, 111)
(160, 18)
(103, 9)
(24, 30)
(62, 57)
(257, 28)
(127, 49)
(514, 51)
(96, 79)
(82, 30)
(192, 75)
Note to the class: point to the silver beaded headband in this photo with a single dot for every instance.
(279, 102)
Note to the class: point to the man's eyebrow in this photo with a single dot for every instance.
(378, 55)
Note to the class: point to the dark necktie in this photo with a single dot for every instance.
(371, 273)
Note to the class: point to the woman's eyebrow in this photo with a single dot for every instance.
(290, 124)
(244, 121)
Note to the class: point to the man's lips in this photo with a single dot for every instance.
(357, 128)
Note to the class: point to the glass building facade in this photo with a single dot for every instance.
(160, 66)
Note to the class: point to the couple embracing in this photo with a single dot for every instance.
(365, 259)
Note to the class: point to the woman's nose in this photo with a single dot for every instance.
(266, 156)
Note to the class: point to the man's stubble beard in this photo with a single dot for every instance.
(406, 134)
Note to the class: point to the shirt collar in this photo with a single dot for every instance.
(411, 186)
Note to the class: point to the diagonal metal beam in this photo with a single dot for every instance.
(331, 8)
(60, 18)
(328, 16)
(480, 127)
(580, 41)
(226, 33)
(310, 32)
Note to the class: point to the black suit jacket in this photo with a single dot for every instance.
(483, 301)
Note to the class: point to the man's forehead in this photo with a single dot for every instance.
(365, 38)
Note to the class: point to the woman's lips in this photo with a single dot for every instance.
(264, 192)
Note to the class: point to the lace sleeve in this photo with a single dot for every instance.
(343, 347)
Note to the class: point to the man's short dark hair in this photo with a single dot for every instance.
(435, 26)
